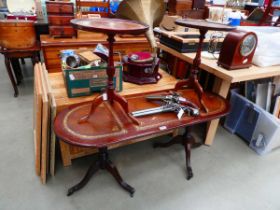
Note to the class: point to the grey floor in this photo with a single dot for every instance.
(228, 175)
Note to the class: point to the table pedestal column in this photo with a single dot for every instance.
(192, 81)
(111, 95)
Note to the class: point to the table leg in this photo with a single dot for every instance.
(114, 97)
(35, 58)
(221, 87)
(17, 70)
(65, 153)
(115, 173)
(10, 73)
(90, 172)
(104, 163)
(188, 142)
(22, 61)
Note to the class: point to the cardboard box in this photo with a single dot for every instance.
(83, 82)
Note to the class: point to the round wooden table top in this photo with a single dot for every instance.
(203, 24)
(110, 25)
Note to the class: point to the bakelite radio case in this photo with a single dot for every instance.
(230, 54)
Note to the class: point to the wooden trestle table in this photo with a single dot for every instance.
(224, 78)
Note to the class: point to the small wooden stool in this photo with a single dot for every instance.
(18, 40)
(15, 54)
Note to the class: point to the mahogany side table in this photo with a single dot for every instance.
(203, 26)
(111, 27)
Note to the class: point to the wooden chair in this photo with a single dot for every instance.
(80, 4)
(18, 41)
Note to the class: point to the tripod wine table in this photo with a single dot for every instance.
(203, 26)
(111, 27)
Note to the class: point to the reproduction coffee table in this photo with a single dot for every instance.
(109, 126)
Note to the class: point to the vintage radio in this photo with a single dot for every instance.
(238, 50)
(59, 16)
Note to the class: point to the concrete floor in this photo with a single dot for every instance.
(227, 176)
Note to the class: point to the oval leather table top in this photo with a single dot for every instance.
(110, 125)
(203, 24)
(110, 25)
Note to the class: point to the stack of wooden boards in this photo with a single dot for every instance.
(44, 113)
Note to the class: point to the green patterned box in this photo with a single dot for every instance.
(87, 80)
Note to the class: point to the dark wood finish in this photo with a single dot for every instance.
(59, 16)
(52, 46)
(111, 27)
(192, 81)
(109, 125)
(187, 8)
(14, 54)
(111, 122)
(103, 162)
(17, 34)
(188, 142)
(57, 20)
(178, 7)
(59, 7)
(198, 4)
(230, 56)
(141, 72)
(61, 31)
(11, 76)
(70, 152)
(17, 69)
